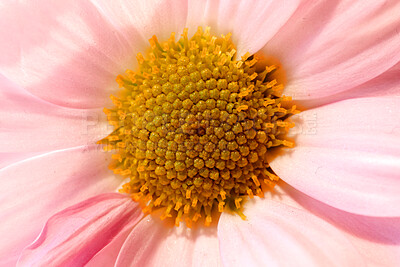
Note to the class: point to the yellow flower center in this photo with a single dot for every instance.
(193, 125)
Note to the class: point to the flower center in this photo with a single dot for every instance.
(193, 125)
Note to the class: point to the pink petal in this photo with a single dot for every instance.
(279, 233)
(156, 245)
(331, 46)
(34, 189)
(386, 84)
(10, 158)
(29, 124)
(66, 52)
(73, 236)
(347, 155)
(252, 23)
(145, 18)
(376, 239)
(107, 256)
(9, 261)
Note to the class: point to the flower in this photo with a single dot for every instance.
(338, 204)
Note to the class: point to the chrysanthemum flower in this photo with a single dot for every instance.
(338, 200)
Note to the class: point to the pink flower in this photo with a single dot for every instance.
(339, 204)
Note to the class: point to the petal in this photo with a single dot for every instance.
(107, 256)
(73, 236)
(10, 158)
(65, 52)
(376, 239)
(156, 245)
(347, 155)
(147, 18)
(34, 189)
(331, 46)
(252, 23)
(278, 233)
(386, 84)
(29, 124)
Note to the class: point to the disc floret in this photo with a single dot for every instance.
(193, 125)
